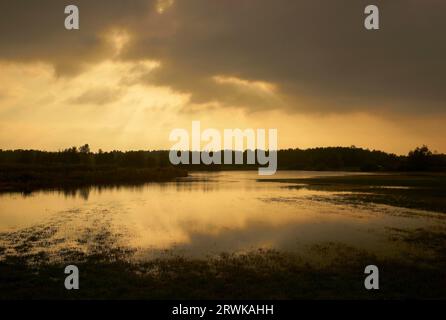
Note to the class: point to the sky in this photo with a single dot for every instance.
(137, 69)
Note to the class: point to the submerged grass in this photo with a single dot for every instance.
(263, 274)
(424, 191)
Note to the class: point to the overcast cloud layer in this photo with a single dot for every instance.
(296, 55)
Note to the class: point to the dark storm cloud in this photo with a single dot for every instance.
(317, 52)
(34, 30)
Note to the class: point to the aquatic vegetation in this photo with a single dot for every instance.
(263, 274)
(426, 191)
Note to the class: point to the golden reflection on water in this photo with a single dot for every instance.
(204, 214)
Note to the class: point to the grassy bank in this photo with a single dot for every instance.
(425, 191)
(30, 178)
(255, 275)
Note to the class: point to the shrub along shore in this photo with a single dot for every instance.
(30, 178)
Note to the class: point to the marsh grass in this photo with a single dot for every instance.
(424, 191)
(263, 274)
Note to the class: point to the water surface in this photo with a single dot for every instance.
(200, 216)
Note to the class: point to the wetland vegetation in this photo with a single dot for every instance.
(263, 274)
(220, 234)
(425, 191)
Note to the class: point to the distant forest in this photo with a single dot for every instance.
(329, 158)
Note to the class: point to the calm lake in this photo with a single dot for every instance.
(200, 216)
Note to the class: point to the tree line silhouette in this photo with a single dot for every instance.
(326, 158)
(28, 170)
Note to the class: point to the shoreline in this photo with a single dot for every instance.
(29, 179)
